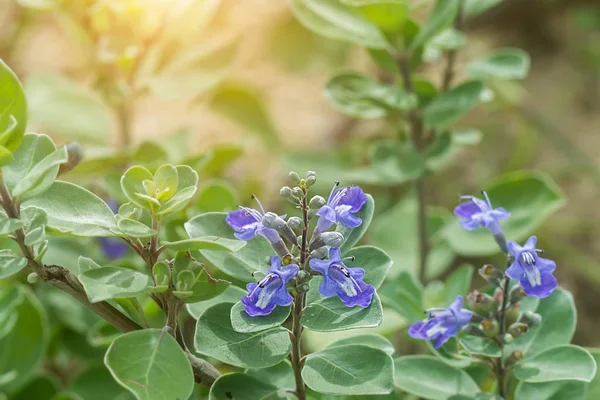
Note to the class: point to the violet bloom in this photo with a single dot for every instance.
(477, 212)
(441, 323)
(271, 291)
(342, 281)
(113, 247)
(340, 208)
(247, 222)
(534, 273)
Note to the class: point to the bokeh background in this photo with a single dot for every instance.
(238, 85)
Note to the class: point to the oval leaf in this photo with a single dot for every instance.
(240, 386)
(367, 339)
(161, 369)
(133, 228)
(113, 282)
(216, 338)
(428, 377)
(502, 63)
(13, 109)
(242, 322)
(557, 364)
(231, 295)
(206, 243)
(448, 107)
(352, 369)
(561, 390)
(10, 263)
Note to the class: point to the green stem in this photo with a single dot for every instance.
(500, 367)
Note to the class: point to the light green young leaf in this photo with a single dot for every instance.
(387, 15)
(64, 107)
(558, 363)
(213, 243)
(13, 109)
(242, 322)
(332, 19)
(206, 288)
(216, 338)
(113, 282)
(10, 263)
(367, 339)
(178, 202)
(231, 295)
(85, 264)
(166, 179)
(440, 17)
(34, 149)
(502, 64)
(481, 346)
(560, 390)
(39, 178)
(161, 370)
(431, 378)
(448, 107)
(538, 198)
(351, 369)
(240, 386)
(132, 184)
(8, 225)
(133, 228)
(76, 211)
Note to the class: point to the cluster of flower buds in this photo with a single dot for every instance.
(290, 269)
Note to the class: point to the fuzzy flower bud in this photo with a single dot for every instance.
(530, 318)
(273, 221)
(321, 252)
(481, 303)
(491, 274)
(507, 338)
(303, 276)
(294, 176)
(516, 294)
(514, 358)
(296, 191)
(311, 178)
(517, 329)
(512, 314)
(490, 328)
(317, 202)
(286, 193)
(303, 288)
(333, 239)
(295, 223)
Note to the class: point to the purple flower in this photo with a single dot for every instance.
(477, 212)
(441, 323)
(342, 281)
(113, 247)
(534, 273)
(340, 207)
(271, 291)
(247, 222)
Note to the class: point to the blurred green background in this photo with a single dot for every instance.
(235, 89)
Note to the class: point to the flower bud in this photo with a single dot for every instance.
(74, 157)
(498, 296)
(273, 221)
(296, 191)
(303, 276)
(517, 329)
(512, 314)
(490, 328)
(311, 180)
(507, 338)
(32, 278)
(321, 252)
(295, 223)
(530, 318)
(303, 288)
(311, 213)
(311, 174)
(481, 303)
(294, 176)
(516, 294)
(514, 358)
(317, 202)
(491, 274)
(333, 239)
(286, 193)
(280, 246)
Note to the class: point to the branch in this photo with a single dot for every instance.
(451, 54)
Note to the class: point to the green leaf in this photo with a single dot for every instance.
(6, 157)
(217, 195)
(459, 282)
(352, 236)
(131, 183)
(85, 264)
(213, 243)
(113, 282)
(33, 150)
(558, 363)
(74, 210)
(195, 71)
(594, 387)
(13, 109)
(502, 63)
(476, 7)
(441, 16)
(166, 180)
(388, 15)
(557, 327)
(216, 338)
(24, 348)
(351, 369)
(333, 20)
(367, 339)
(231, 295)
(562, 390)
(374, 261)
(243, 323)
(10, 263)
(404, 295)
(178, 202)
(206, 288)
(161, 369)
(481, 346)
(39, 178)
(8, 225)
(538, 198)
(330, 314)
(39, 388)
(96, 383)
(362, 97)
(63, 107)
(280, 375)
(450, 106)
(216, 160)
(385, 231)
(133, 228)
(240, 386)
(245, 107)
(428, 377)
(240, 264)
